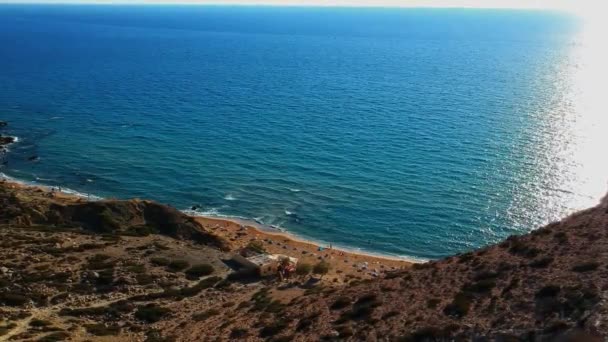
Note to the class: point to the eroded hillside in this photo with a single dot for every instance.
(136, 270)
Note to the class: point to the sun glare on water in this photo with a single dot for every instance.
(579, 120)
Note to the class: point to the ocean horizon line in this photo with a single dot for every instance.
(271, 4)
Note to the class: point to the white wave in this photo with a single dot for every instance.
(80, 194)
(229, 197)
(294, 190)
(49, 187)
(289, 213)
(56, 117)
(215, 213)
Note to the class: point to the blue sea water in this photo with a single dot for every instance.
(411, 132)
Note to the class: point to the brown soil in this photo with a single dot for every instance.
(77, 270)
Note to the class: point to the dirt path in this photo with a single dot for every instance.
(48, 312)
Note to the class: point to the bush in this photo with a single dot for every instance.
(303, 269)
(459, 306)
(177, 265)
(38, 323)
(55, 337)
(144, 279)
(14, 299)
(160, 261)
(482, 286)
(432, 303)
(345, 331)
(321, 268)
(586, 267)
(548, 291)
(238, 333)
(114, 310)
(201, 270)
(100, 262)
(205, 315)
(273, 329)
(102, 330)
(106, 277)
(542, 262)
(151, 313)
(141, 230)
(340, 303)
(138, 269)
(256, 246)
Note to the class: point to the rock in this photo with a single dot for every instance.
(33, 158)
(3, 123)
(4, 270)
(334, 333)
(4, 140)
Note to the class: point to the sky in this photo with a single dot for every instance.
(551, 4)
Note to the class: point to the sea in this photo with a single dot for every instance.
(416, 133)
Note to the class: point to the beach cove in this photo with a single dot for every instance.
(344, 265)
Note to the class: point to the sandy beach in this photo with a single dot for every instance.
(344, 264)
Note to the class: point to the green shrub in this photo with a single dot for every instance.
(151, 313)
(102, 330)
(160, 246)
(390, 314)
(256, 246)
(144, 279)
(548, 291)
(340, 303)
(459, 306)
(205, 315)
(482, 286)
(177, 265)
(238, 333)
(160, 261)
(345, 331)
(100, 262)
(14, 299)
(106, 277)
(273, 329)
(107, 222)
(542, 262)
(55, 337)
(39, 323)
(303, 269)
(321, 268)
(138, 268)
(114, 310)
(201, 270)
(141, 230)
(432, 303)
(586, 267)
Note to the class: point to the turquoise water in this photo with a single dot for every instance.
(415, 132)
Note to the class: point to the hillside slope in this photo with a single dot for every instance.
(119, 268)
(545, 286)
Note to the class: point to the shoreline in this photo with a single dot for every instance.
(272, 232)
(345, 263)
(256, 228)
